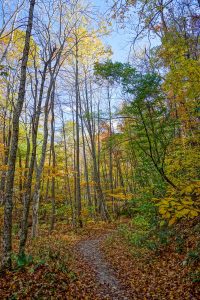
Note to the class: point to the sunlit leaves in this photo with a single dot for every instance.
(15, 44)
(183, 204)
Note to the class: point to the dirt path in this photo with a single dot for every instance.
(109, 286)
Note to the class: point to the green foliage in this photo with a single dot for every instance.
(195, 276)
(140, 220)
(180, 244)
(3, 71)
(133, 82)
(15, 229)
(23, 260)
(163, 235)
(117, 71)
(193, 255)
(151, 131)
(138, 238)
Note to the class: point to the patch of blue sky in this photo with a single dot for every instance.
(121, 38)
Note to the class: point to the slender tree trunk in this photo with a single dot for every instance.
(53, 75)
(78, 174)
(110, 149)
(74, 167)
(47, 184)
(7, 229)
(28, 151)
(6, 143)
(67, 181)
(91, 128)
(85, 161)
(28, 183)
(20, 175)
(37, 189)
(53, 208)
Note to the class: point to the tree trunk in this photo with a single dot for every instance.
(110, 149)
(37, 189)
(7, 229)
(85, 163)
(53, 162)
(90, 127)
(77, 169)
(28, 183)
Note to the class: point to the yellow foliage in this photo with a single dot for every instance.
(17, 45)
(185, 204)
(121, 196)
(193, 213)
(172, 221)
(3, 168)
(90, 47)
(162, 210)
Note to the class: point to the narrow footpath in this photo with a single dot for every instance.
(107, 283)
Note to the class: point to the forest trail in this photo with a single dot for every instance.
(107, 282)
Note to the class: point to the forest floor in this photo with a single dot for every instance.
(108, 285)
(98, 263)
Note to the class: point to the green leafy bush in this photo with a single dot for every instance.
(23, 260)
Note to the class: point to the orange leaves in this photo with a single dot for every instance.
(91, 183)
(3, 168)
(121, 196)
(2, 147)
(149, 275)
